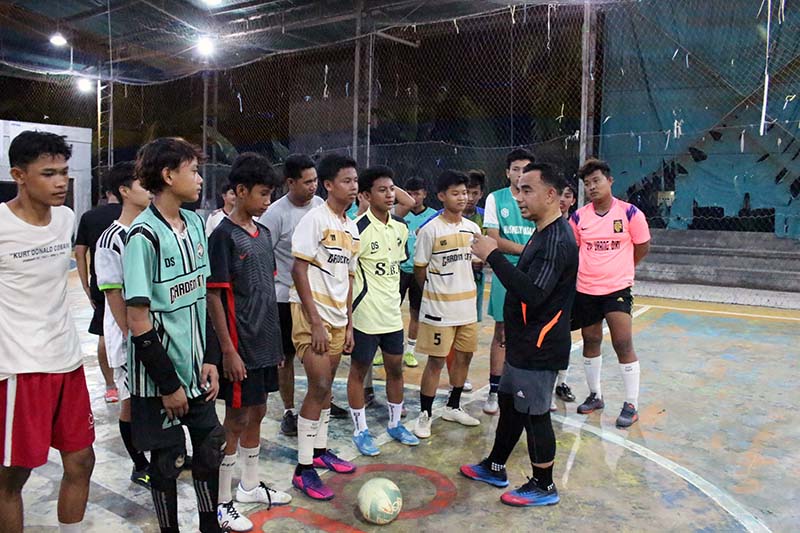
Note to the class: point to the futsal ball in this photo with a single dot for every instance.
(380, 501)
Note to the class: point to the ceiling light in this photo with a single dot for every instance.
(57, 39)
(205, 45)
(213, 3)
(84, 85)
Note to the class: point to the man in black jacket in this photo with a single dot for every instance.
(537, 308)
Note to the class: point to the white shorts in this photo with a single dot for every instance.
(121, 381)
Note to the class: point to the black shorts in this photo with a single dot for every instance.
(153, 430)
(252, 390)
(285, 315)
(588, 309)
(99, 300)
(366, 345)
(532, 389)
(409, 283)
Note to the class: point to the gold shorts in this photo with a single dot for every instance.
(436, 341)
(301, 333)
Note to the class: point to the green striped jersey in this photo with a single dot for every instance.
(167, 271)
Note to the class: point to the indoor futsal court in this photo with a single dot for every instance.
(694, 462)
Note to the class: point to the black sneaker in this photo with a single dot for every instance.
(338, 412)
(369, 397)
(289, 424)
(565, 393)
(628, 416)
(590, 404)
(141, 477)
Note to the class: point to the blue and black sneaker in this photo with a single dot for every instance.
(628, 416)
(531, 495)
(483, 472)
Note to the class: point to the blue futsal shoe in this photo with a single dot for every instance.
(483, 472)
(530, 495)
(403, 435)
(363, 442)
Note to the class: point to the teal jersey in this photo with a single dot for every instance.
(167, 272)
(352, 211)
(414, 223)
(502, 213)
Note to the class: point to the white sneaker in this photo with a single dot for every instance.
(460, 416)
(228, 517)
(491, 407)
(467, 386)
(422, 428)
(262, 494)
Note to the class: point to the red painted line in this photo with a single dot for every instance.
(304, 516)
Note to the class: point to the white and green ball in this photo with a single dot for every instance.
(380, 501)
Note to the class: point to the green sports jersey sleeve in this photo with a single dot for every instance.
(139, 265)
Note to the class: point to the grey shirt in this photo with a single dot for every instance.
(281, 219)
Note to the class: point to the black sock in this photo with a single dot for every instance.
(369, 390)
(207, 497)
(426, 404)
(543, 477)
(494, 383)
(299, 469)
(319, 451)
(165, 500)
(139, 460)
(510, 426)
(454, 400)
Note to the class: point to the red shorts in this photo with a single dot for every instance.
(38, 411)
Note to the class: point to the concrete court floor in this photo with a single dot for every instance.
(710, 452)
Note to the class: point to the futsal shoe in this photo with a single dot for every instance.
(333, 463)
(565, 393)
(141, 477)
(309, 483)
(553, 404)
(289, 424)
(530, 495)
(628, 416)
(365, 445)
(230, 520)
(491, 407)
(590, 404)
(410, 360)
(422, 428)
(402, 435)
(467, 386)
(112, 395)
(483, 472)
(452, 414)
(338, 413)
(262, 494)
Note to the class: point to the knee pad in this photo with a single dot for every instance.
(209, 454)
(167, 463)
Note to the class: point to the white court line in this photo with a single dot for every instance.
(726, 313)
(722, 498)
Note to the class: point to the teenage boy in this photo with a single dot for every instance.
(541, 290)
(93, 223)
(506, 225)
(448, 315)
(419, 214)
(134, 199)
(377, 321)
(613, 238)
(228, 198)
(43, 392)
(281, 219)
(172, 384)
(325, 250)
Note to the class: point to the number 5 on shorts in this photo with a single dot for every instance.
(437, 339)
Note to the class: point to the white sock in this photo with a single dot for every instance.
(249, 457)
(395, 412)
(307, 431)
(593, 366)
(562, 377)
(226, 478)
(630, 377)
(411, 345)
(321, 441)
(77, 527)
(359, 417)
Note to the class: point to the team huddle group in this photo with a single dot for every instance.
(193, 312)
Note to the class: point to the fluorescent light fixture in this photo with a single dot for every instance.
(57, 39)
(205, 45)
(213, 3)
(85, 85)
